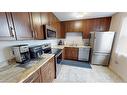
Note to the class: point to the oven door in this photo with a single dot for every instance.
(58, 58)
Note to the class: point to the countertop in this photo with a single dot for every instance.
(14, 73)
(62, 46)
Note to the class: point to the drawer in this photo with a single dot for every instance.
(100, 59)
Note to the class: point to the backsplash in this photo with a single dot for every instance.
(76, 41)
(6, 52)
(5, 47)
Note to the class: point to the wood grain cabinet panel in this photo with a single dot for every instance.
(71, 53)
(48, 71)
(86, 26)
(22, 25)
(41, 18)
(55, 23)
(6, 27)
(37, 26)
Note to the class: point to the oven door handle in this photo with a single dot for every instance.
(59, 53)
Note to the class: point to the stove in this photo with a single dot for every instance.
(58, 56)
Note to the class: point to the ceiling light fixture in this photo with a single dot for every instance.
(79, 14)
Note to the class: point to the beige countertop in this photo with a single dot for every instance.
(14, 73)
(62, 46)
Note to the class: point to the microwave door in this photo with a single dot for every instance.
(51, 34)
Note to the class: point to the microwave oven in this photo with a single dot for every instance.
(49, 32)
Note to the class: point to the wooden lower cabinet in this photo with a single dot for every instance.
(48, 71)
(43, 75)
(34, 78)
(38, 80)
(71, 53)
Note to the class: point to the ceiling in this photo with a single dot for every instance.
(64, 16)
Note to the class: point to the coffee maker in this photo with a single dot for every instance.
(21, 53)
(36, 51)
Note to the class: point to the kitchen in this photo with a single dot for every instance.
(45, 47)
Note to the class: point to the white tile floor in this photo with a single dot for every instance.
(77, 74)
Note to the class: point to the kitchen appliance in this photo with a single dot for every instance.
(83, 54)
(58, 56)
(101, 43)
(49, 32)
(21, 53)
(60, 42)
(36, 51)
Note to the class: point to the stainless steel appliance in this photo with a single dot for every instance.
(58, 59)
(35, 51)
(83, 54)
(101, 43)
(58, 56)
(49, 32)
(21, 53)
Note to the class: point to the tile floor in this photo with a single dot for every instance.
(77, 74)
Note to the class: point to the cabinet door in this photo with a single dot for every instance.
(75, 53)
(52, 69)
(44, 18)
(46, 75)
(22, 25)
(105, 24)
(37, 25)
(71, 53)
(48, 71)
(67, 53)
(6, 27)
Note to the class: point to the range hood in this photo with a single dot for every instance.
(74, 34)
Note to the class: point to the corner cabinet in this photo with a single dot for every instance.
(22, 25)
(6, 27)
(37, 25)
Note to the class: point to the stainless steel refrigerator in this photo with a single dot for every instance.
(101, 43)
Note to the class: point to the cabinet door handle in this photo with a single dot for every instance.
(12, 32)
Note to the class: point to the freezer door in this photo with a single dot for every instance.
(100, 59)
(103, 42)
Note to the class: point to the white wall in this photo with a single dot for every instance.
(5, 47)
(118, 62)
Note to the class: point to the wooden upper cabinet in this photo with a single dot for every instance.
(51, 19)
(105, 24)
(37, 26)
(22, 25)
(86, 26)
(41, 18)
(44, 18)
(54, 22)
(6, 27)
(73, 26)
